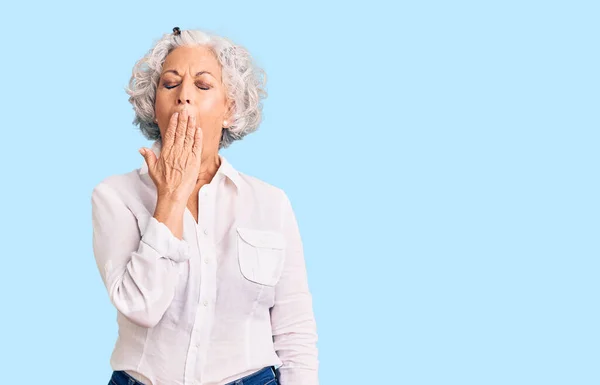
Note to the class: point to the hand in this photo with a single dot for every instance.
(176, 171)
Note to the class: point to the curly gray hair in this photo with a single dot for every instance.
(244, 83)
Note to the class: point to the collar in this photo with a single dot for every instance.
(224, 170)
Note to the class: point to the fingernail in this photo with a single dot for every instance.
(176, 115)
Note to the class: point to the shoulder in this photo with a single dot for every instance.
(261, 189)
(125, 187)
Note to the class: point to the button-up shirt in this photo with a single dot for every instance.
(228, 299)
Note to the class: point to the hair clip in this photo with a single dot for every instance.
(176, 31)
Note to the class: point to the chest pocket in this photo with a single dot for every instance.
(260, 255)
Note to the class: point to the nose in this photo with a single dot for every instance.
(185, 95)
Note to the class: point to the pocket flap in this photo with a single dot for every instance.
(262, 238)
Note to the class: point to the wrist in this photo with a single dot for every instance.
(171, 199)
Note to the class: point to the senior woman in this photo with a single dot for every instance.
(203, 263)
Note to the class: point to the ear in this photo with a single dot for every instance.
(230, 110)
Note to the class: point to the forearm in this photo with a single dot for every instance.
(140, 274)
(295, 340)
(170, 211)
(292, 317)
(144, 288)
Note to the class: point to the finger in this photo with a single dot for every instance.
(180, 131)
(170, 134)
(149, 157)
(197, 147)
(189, 134)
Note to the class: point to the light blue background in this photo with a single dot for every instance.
(441, 158)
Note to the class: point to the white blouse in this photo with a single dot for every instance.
(228, 299)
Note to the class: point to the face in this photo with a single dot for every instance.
(191, 79)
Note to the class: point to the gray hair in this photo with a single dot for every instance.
(244, 83)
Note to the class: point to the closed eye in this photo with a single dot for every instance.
(206, 88)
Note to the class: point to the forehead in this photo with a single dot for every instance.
(192, 58)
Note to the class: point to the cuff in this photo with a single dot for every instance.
(298, 376)
(160, 238)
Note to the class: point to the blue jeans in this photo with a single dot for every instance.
(266, 376)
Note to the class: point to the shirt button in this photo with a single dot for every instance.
(206, 260)
(206, 231)
(205, 303)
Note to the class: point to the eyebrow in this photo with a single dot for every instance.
(197, 74)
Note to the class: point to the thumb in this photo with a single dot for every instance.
(149, 157)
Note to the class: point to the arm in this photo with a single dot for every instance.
(292, 319)
(139, 274)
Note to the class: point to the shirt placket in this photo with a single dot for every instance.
(204, 230)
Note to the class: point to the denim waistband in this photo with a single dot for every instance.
(120, 377)
(258, 378)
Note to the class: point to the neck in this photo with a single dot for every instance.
(208, 169)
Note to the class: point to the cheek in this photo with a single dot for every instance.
(162, 113)
(210, 114)
(160, 106)
(210, 107)
(212, 102)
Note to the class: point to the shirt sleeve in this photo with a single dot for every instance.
(292, 318)
(138, 270)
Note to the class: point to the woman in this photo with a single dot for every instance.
(204, 263)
